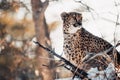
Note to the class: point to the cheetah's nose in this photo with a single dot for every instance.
(77, 24)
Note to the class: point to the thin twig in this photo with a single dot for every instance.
(117, 21)
(68, 65)
(88, 7)
(91, 56)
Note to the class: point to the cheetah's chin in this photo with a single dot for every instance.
(73, 29)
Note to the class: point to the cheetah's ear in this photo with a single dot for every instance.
(63, 15)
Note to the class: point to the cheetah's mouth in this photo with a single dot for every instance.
(77, 24)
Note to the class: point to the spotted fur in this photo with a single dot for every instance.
(80, 42)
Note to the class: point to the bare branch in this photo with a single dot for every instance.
(88, 7)
(45, 5)
(90, 56)
(35, 5)
(78, 72)
(24, 5)
(117, 21)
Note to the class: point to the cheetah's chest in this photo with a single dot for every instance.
(72, 48)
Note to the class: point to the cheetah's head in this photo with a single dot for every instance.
(71, 21)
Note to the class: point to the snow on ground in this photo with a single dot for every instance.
(94, 74)
(68, 79)
(107, 74)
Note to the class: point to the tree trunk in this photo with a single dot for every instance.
(42, 35)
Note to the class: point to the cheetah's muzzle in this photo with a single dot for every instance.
(77, 24)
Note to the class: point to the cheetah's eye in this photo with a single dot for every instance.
(75, 25)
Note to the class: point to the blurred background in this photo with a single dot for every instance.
(25, 21)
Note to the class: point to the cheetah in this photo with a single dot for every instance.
(78, 42)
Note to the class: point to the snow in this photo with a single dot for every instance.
(58, 41)
(103, 75)
(68, 79)
(101, 21)
(107, 74)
